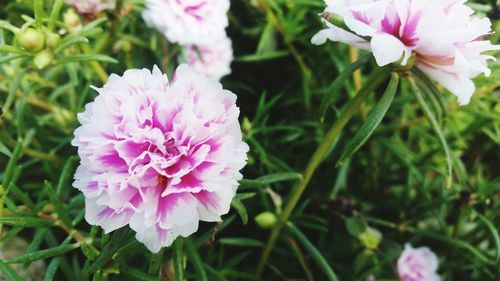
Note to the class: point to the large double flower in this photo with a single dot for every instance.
(447, 41)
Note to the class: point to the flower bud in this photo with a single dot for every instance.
(31, 39)
(43, 59)
(266, 220)
(72, 20)
(53, 40)
(371, 238)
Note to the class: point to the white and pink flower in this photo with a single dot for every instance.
(447, 41)
(188, 21)
(418, 264)
(90, 6)
(213, 60)
(159, 156)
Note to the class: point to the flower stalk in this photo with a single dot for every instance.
(351, 108)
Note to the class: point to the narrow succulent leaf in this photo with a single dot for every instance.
(26, 222)
(333, 89)
(52, 269)
(56, 201)
(87, 57)
(313, 251)
(373, 121)
(194, 258)
(178, 258)
(241, 209)
(8, 272)
(436, 127)
(117, 240)
(43, 254)
(54, 14)
(38, 7)
(494, 233)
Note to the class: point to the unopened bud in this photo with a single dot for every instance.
(371, 238)
(43, 59)
(31, 39)
(53, 40)
(72, 20)
(266, 220)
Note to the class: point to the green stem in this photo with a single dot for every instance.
(178, 259)
(351, 108)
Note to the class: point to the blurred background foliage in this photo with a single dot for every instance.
(394, 186)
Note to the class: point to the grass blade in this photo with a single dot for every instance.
(372, 122)
(313, 251)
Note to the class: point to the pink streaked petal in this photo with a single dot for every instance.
(105, 217)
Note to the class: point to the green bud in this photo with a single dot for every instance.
(246, 125)
(53, 40)
(43, 59)
(72, 20)
(266, 220)
(31, 39)
(371, 238)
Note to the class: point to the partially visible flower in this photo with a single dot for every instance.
(198, 22)
(418, 264)
(90, 7)
(159, 156)
(213, 60)
(446, 39)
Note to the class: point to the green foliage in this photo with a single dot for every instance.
(417, 167)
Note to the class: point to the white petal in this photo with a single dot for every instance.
(105, 217)
(386, 48)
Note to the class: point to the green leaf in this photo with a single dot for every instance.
(241, 209)
(272, 178)
(26, 222)
(195, 259)
(52, 269)
(436, 127)
(8, 26)
(355, 226)
(5, 150)
(333, 89)
(66, 174)
(7, 58)
(8, 272)
(87, 57)
(267, 42)
(313, 251)
(54, 14)
(43, 254)
(137, 274)
(242, 242)
(38, 7)
(262, 57)
(117, 240)
(35, 243)
(9, 170)
(372, 122)
(178, 258)
(56, 201)
(494, 232)
(155, 262)
(11, 49)
(67, 43)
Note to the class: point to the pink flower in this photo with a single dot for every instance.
(418, 264)
(90, 6)
(213, 60)
(446, 39)
(159, 156)
(188, 21)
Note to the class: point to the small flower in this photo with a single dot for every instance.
(159, 156)
(418, 264)
(90, 7)
(187, 22)
(213, 60)
(446, 39)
